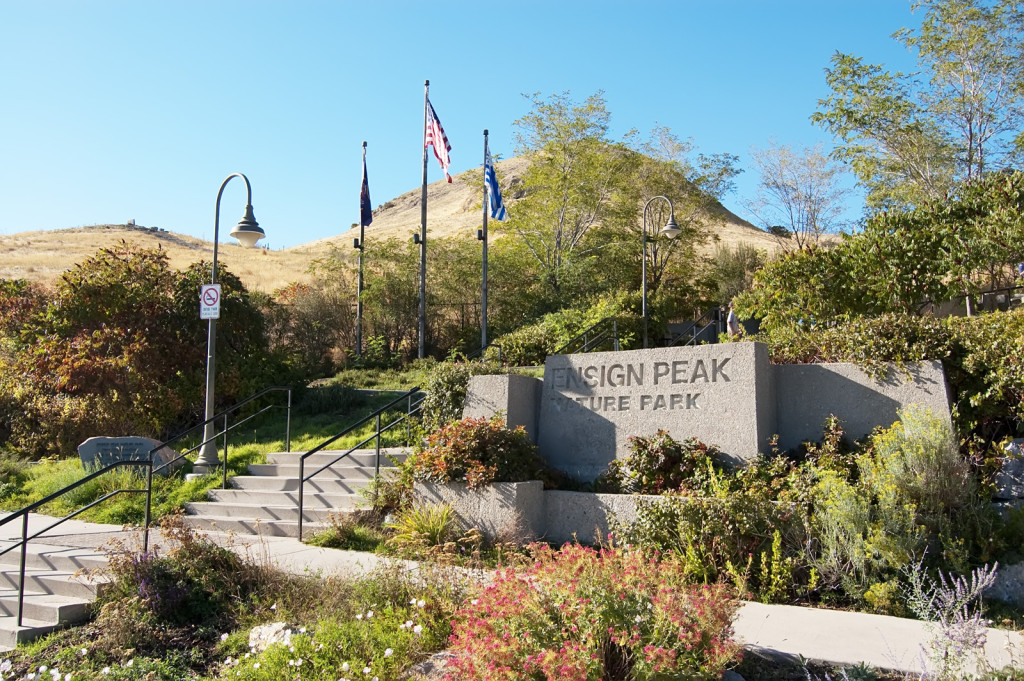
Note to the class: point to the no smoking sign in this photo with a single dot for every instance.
(209, 301)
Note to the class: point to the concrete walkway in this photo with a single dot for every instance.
(831, 636)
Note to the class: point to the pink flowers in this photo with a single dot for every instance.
(578, 611)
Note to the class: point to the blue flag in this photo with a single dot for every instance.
(493, 191)
(365, 210)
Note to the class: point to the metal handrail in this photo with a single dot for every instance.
(411, 409)
(224, 415)
(480, 352)
(592, 337)
(705, 321)
(24, 513)
(148, 490)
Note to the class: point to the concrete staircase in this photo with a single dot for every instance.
(60, 585)
(266, 501)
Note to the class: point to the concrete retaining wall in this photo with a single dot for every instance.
(524, 511)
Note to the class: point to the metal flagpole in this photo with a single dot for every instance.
(483, 238)
(423, 229)
(359, 280)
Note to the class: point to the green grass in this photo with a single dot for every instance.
(248, 444)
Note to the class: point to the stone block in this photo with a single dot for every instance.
(97, 452)
(806, 394)
(507, 511)
(1009, 585)
(592, 403)
(586, 517)
(517, 396)
(1010, 479)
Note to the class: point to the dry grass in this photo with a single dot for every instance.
(453, 209)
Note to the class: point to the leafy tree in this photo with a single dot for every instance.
(731, 270)
(903, 261)
(910, 140)
(119, 348)
(800, 191)
(570, 186)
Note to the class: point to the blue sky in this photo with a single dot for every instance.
(112, 111)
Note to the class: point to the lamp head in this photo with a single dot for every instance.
(248, 231)
(671, 229)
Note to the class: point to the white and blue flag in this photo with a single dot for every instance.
(493, 191)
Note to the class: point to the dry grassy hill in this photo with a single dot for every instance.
(452, 209)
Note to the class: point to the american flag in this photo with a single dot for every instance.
(434, 133)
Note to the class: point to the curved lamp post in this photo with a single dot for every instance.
(248, 232)
(671, 230)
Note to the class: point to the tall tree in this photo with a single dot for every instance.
(909, 140)
(799, 190)
(571, 185)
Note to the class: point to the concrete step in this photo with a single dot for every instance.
(288, 470)
(321, 483)
(210, 509)
(341, 497)
(360, 457)
(53, 582)
(11, 634)
(52, 557)
(266, 528)
(60, 585)
(44, 607)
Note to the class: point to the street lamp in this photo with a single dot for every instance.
(248, 232)
(671, 230)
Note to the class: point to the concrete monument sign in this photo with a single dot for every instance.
(97, 452)
(592, 403)
(727, 395)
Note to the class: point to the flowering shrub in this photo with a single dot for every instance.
(578, 613)
(477, 452)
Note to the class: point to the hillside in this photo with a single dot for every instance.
(452, 209)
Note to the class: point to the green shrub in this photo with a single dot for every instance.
(445, 389)
(578, 613)
(530, 345)
(477, 452)
(658, 464)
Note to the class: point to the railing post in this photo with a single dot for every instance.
(408, 419)
(302, 481)
(288, 424)
(615, 333)
(376, 464)
(225, 466)
(149, 504)
(21, 586)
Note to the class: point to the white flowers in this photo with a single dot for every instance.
(366, 671)
(5, 666)
(223, 637)
(389, 652)
(418, 630)
(345, 667)
(420, 603)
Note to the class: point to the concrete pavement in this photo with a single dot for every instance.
(835, 637)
